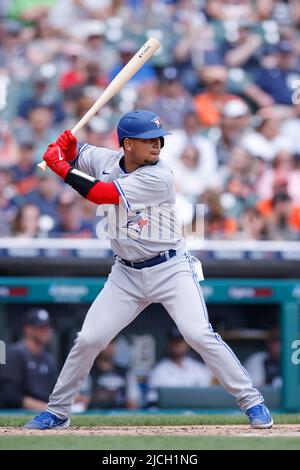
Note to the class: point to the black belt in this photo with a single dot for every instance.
(150, 262)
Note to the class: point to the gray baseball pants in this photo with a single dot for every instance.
(126, 293)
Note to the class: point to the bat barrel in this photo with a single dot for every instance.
(127, 72)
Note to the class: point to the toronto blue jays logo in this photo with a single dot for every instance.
(156, 121)
(136, 224)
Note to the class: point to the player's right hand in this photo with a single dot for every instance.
(68, 144)
(54, 157)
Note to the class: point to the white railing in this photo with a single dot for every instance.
(210, 245)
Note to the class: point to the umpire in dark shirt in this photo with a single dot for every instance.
(29, 375)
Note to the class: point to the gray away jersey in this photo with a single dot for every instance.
(144, 224)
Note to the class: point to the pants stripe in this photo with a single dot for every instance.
(217, 336)
(188, 257)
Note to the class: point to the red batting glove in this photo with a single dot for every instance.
(68, 144)
(54, 157)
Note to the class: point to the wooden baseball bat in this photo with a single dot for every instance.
(135, 63)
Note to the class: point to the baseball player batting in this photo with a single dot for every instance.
(147, 268)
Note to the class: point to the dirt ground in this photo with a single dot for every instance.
(282, 430)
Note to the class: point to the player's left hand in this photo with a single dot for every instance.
(54, 157)
(68, 144)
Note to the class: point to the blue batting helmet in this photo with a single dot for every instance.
(140, 124)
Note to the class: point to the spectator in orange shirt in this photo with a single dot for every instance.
(209, 104)
(24, 173)
(8, 146)
(253, 225)
(217, 224)
(284, 171)
(283, 219)
(280, 188)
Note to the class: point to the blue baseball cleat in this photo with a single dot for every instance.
(47, 420)
(259, 417)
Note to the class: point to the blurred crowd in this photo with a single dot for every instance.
(226, 83)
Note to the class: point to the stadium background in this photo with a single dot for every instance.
(237, 151)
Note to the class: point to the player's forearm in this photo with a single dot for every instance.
(261, 98)
(86, 185)
(92, 189)
(241, 54)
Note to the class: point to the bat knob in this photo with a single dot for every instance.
(42, 166)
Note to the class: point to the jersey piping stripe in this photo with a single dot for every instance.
(122, 194)
(80, 148)
(217, 336)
